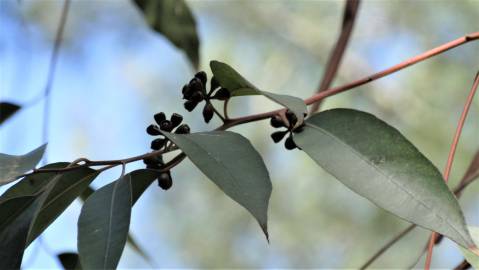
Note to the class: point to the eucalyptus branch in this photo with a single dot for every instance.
(336, 90)
(332, 66)
(450, 158)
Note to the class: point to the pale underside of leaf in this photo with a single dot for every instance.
(377, 162)
(231, 162)
(12, 166)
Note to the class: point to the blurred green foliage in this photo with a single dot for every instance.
(280, 46)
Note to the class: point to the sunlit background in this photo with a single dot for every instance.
(114, 73)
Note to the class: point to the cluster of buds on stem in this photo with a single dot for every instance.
(195, 92)
(290, 126)
(163, 125)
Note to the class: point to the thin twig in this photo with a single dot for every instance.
(334, 61)
(52, 68)
(450, 158)
(336, 90)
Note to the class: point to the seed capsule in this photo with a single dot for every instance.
(196, 85)
(159, 117)
(278, 136)
(190, 105)
(183, 129)
(176, 119)
(222, 94)
(202, 76)
(276, 122)
(208, 112)
(197, 96)
(165, 181)
(153, 130)
(157, 144)
(289, 143)
(166, 125)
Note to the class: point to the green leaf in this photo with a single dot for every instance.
(69, 260)
(14, 227)
(140, 180)
(68, 186)
(7, 109)
(232, 163)
(13, 166)
(237, 85)
(379, 163)
(472, 258)
(103, 225)
(174, 20)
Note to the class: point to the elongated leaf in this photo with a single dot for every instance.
(174, 20)
(13, 166)
(14, 227)
(7, 109)
(103, 225)
(67, 188)
(377, 162)
(69, 260)
(472, 258)
(237, 85)
(140, 180)
(232, 163)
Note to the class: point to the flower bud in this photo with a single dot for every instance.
(159, 117)
(153, 130)
(164, 180)
(166, 125)
(196, 85)
(208, 112)
(176, 119)
(183, 129)
(276, 122)
(289, 143)
(157, 144)
(197, 96)
(187, 92)
(190, 105)
(278, 136)
(202, 76)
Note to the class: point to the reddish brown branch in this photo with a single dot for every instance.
(450, 158)
(336, 90)
(334, 61)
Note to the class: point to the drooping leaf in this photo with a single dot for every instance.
(232, 163)
(472, 258)
(68, 186)
(174, 20)
(14, 227)
(140, 180)
(13, 166)
(69, 260)
(237, 85)
(7, 109)
(103, 225)
(379, 163)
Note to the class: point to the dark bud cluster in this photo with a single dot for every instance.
(195, 92)
(164, 178)
(277, 136)
(169, 125)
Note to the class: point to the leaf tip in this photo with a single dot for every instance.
(264, 227)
